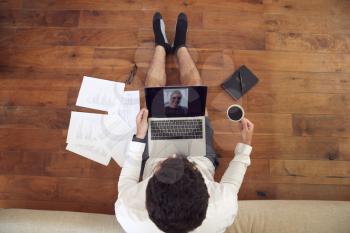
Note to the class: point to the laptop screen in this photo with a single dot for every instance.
(183, 101)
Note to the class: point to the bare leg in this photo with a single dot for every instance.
(189, 74)
(156, 73)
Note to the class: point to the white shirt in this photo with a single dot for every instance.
(130, 208)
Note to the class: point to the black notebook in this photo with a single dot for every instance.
(240, 82)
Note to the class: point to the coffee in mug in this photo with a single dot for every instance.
(235, 113)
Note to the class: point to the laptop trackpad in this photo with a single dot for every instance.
(166, 148)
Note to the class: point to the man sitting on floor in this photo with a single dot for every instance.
(178, 194)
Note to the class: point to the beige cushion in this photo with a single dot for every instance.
(43, 221)
(253, 217)
(292, 217)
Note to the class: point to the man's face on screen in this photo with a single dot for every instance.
(175, 100)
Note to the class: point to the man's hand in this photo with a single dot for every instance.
(141, 123)
(246, 127)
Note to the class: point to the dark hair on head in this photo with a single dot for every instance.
(177, 196)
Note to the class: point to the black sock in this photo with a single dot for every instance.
(181, 31)
(159, 32)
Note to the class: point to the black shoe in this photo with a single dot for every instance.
(181, 31)
(159, 32)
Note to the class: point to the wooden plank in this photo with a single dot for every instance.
(124, 57)
(87, 190)
(298, 180)
(311, 7)
(258, 168)
(120, 57)
(37, 80)
(43, 78)
(324, 24)
(304, 42)
(61, 189)
(239, 22)
(34, 117)
(85, 207)
(22, 163)
(32, 18)
(28, 187)
(252, 6)
(67, 164)
(7, 55)
(133, 19)
(54, 57)
(300, 82)
(54, 164)
(14, 139)
(283, 147)
(72, 37)
(252, 191)
(81, 4)
(265, 123)
(299, 103)
(212, 39)
(14, 98)
(293, 61)
(310, 168)
(10, 4)
(321, 125)
(344, 148)
(7, 37)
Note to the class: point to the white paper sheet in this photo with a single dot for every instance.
(129, 108)
(100, 94)
(98, 136)
(93, 152)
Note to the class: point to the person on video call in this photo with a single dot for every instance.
(173, 108)
(178, 194)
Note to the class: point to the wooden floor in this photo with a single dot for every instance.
(300, 50)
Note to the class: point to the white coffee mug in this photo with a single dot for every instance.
(235, 113)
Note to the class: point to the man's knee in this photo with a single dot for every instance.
(192, 82)
(154, 83)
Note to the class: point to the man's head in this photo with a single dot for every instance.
(177, 196)
(175, 99)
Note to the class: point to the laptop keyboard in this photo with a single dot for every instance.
(177, 129)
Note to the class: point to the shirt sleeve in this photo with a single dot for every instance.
(130, 173)
(235, 172)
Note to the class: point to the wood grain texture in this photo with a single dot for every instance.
(212, 39)
(287, 147)
(336, 43)
(309, 168)
(311, 23)
(131, 19)
(293, 61)
(270, 191)
(299, 50)
(71, 37)
(10, 4)
(321, 125)
(81, 5)
(32, 18)
(311, 7)
(303, 103)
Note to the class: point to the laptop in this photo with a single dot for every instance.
(176, 120)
